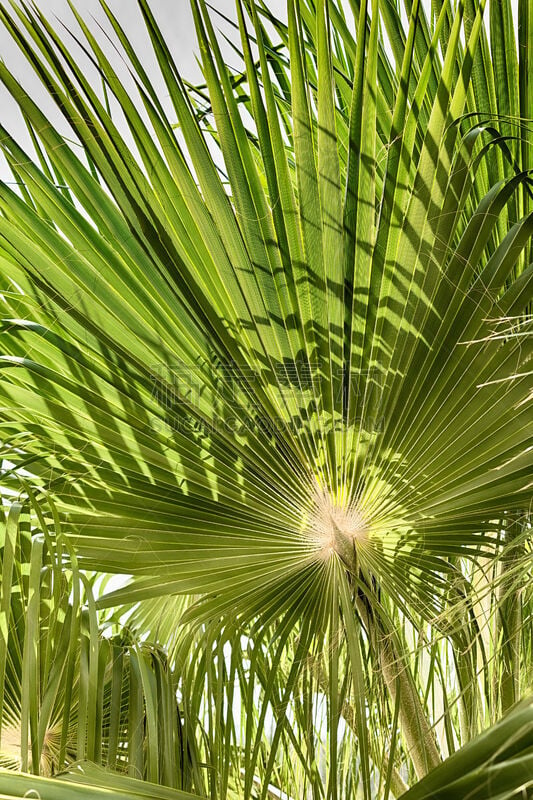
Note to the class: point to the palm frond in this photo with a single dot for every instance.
(249, 352)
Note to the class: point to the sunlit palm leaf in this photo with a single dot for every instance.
(86, 781)
(269, 377)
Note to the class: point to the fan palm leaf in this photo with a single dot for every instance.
(258, 361)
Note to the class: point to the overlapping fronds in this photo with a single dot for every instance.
(495, 764)
(249, 349)
(71, 689)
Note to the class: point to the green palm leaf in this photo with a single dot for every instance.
(254, 358)
(86, 781)
(495, 764)
(71, 689)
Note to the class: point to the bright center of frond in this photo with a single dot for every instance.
(11, 741)
(11, 750)
(335, 527)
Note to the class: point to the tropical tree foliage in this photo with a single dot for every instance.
(72, 689)
(267, 352)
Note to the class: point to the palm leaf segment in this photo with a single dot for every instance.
(70, 688)
(266, 362)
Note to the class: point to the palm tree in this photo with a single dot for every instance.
(267, 350)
